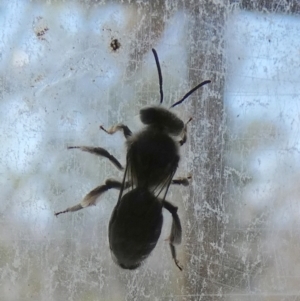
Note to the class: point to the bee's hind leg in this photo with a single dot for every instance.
(176, 231)
(92, 197)
(118, 127)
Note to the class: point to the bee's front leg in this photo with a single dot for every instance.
(118, 127)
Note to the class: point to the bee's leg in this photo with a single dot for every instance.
(184, 135)
(118, 127)
(176, 231)
(99, 151)
(92, 197)
(181, 181)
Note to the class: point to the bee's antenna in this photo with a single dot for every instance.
(189, 93)
(159, 75)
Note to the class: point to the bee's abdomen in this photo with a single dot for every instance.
(135, 227)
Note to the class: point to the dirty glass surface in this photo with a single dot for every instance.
(69, 67)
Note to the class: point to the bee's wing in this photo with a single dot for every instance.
(161, 189)
(132, 180)
(127, 181)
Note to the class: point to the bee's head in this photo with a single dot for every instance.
(162, 119)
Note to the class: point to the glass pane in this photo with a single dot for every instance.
(68, 68)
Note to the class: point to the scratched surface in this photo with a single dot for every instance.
(68, 68)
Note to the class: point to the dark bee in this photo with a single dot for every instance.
(151, 162)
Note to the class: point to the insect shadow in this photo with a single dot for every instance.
(151, 162)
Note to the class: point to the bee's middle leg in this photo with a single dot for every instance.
(99, 151)
(182, 181)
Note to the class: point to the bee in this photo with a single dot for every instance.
(151, 162)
